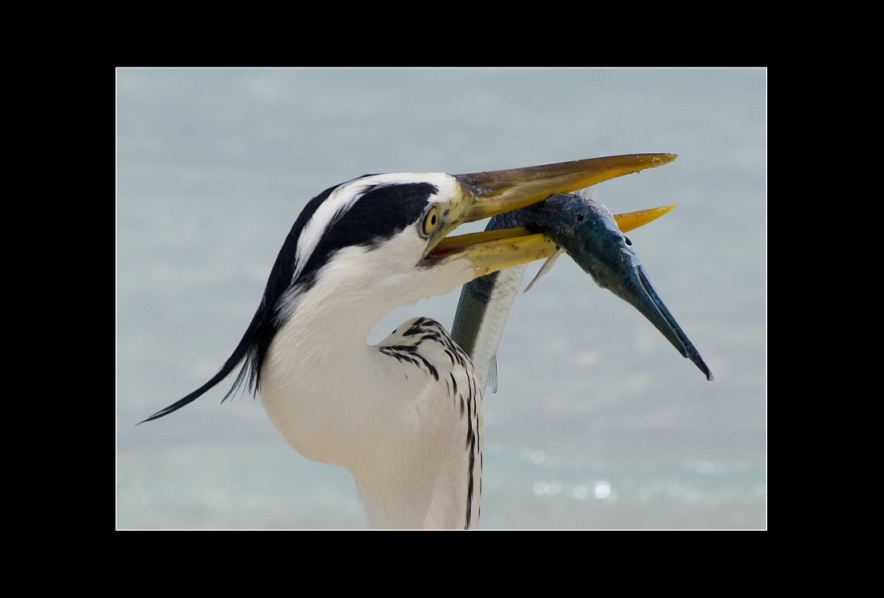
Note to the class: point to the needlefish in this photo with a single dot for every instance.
(594, 238)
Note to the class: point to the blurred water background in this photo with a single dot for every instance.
(597, 423)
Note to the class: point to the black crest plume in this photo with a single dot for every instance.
(254, 343)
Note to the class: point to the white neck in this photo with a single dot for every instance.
(337, 400)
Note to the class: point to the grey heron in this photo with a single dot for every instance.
(404, 417)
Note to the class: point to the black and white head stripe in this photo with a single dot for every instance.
(362, 212)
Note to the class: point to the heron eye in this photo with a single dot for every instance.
(628, 242)
(431, 221)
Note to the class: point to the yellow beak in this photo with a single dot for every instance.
(486, 194)
(490, 193)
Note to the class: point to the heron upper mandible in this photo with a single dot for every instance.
(404, 417)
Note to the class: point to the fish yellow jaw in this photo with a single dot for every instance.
(632, 220)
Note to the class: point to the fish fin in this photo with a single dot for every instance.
(492, 374)
(546, 267)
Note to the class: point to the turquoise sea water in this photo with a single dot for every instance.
(597, 423)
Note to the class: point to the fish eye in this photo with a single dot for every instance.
(431, 221)
(628, 242)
